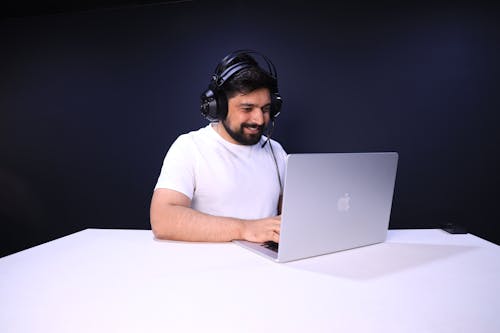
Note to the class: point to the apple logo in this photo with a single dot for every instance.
(343, 204)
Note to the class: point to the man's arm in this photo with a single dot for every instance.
(173, 218)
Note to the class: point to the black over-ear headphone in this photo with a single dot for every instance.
(214, 100)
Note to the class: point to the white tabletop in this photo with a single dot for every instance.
(125, 281)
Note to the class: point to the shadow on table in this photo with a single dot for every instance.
(378, 260)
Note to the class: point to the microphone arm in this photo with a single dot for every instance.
(269, 133)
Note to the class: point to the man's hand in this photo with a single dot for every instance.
(262, 230)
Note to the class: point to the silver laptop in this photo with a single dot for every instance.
(332, 202)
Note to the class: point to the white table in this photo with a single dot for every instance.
(125, 281)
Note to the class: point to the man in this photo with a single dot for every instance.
(223, 182)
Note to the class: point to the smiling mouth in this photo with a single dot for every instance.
(253, 128)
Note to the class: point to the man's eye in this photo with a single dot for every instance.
(248, 109)
(266, 109)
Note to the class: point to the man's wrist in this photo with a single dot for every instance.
(241, 227)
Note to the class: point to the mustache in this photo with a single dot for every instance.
(253, 125)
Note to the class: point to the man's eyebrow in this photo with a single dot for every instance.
(252, 104)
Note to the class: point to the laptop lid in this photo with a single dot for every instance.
(333, 202)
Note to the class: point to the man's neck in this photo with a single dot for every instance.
(219, 129)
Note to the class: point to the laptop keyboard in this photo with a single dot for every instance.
(273, 246)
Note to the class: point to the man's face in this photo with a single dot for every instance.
(247, 117)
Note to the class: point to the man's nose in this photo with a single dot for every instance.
(258, 116)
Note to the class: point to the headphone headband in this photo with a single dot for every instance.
(228, 72)
(271, 69)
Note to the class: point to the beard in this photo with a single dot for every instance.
(240, 136)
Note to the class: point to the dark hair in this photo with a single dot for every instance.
(248, 79)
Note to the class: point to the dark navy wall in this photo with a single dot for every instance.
(91, 101)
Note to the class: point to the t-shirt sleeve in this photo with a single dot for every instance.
(177, 172)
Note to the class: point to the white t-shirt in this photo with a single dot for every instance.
(222, 178)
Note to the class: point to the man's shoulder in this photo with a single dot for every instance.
(276, 145)
(193, 135)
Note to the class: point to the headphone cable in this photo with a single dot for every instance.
(270, 132)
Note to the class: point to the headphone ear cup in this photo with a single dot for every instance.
(276, 103)
(209, 105)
